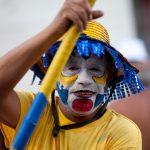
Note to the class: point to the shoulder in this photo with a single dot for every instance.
(123, 131)
(26, 96)
(121, 122)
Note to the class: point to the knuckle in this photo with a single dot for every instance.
(81, 11)
(75, 17)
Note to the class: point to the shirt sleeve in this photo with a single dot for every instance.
(26, 99)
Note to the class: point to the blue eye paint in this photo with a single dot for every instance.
(63, 93)
(99, 100)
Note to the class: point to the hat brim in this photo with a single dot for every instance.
(127, 83)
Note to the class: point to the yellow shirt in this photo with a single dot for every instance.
(111, 132)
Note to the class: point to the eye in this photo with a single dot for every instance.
(94, 69)
(70, 70)
(97, 72)
(73, 68)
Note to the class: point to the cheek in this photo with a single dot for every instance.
(63, 93)
(101, 82)
(66, 98)
(63, 87)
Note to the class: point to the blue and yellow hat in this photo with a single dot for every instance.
(95, 40)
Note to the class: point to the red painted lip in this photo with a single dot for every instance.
(82, 105)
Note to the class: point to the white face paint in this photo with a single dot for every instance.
(83, 91)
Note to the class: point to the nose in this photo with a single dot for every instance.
(84, 78)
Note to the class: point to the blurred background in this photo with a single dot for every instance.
(127, 22)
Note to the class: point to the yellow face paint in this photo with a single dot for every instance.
(67, 80)
(100, 80)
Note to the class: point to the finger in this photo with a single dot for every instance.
(82, 15)
(97, 14)
(89, 11)
(76, 21)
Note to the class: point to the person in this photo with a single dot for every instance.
(78, 118)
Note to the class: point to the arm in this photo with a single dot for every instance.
(17, 62)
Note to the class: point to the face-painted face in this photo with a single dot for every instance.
(81, 85)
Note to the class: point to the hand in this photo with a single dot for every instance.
(77, 12)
